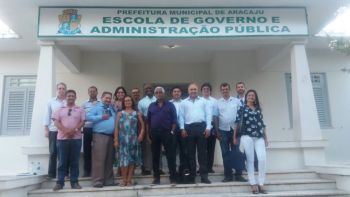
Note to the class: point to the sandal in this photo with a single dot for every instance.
(255, 189)
(261, 190)
(123, 184)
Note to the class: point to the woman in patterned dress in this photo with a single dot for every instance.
(250, 126)
(127, 140)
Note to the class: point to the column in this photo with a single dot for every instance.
(305, 119)
(37, 150)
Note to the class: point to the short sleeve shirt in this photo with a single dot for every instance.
(69, 118)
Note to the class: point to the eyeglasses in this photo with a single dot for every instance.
(69, 112)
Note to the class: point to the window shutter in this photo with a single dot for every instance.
(18, 105)
(321, 99)
(319, 86)
(29, 110)
(15, 112)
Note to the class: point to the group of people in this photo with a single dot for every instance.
(126, 131)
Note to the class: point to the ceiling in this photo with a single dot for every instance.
(21, 16)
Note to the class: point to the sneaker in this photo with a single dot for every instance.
(75, 186)
(57, 187)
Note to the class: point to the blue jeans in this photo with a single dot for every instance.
(226, 145)
(68, 154)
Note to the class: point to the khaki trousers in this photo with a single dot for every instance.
(102, 159)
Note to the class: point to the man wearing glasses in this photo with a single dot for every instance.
(69, 120)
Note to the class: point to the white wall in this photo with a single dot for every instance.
(339, 97)
(101, 69)
(10, 146)
(235, 66)
(241, 66)
(136, 74)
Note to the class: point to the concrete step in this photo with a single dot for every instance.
(215, 177)
(189, 190)
(323, 193)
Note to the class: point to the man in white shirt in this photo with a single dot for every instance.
(50, 129)
(227, 107)
(146, 143)
(195, 124)
(181, 143)
(211, 140)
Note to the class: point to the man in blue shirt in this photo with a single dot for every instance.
(195, 124)
(162, 118)
(103, 118)
(87, 138)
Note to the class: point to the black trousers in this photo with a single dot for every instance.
(211, 141)
(197, 142)
(52, 169)
(165, 138)
(87, 150)
(181, 145)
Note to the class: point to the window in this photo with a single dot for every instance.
(319, 85)
(18, 105)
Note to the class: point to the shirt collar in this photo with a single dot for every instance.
(229, 99)
(58, 99)
(189, 98)
(174, 101)
(90, 101)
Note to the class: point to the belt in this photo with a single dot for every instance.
(107, 134)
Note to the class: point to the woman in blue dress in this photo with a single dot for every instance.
(127, 140)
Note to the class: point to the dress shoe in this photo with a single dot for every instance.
(240, 179)
(111, 184)
(98, 185)
(156, 182)
(211, 171)
(205, 180)
(161, 172)
(57, 187)
(75, 186)
(146, 172)
(227, 180)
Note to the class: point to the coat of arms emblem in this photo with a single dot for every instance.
(69, 22)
